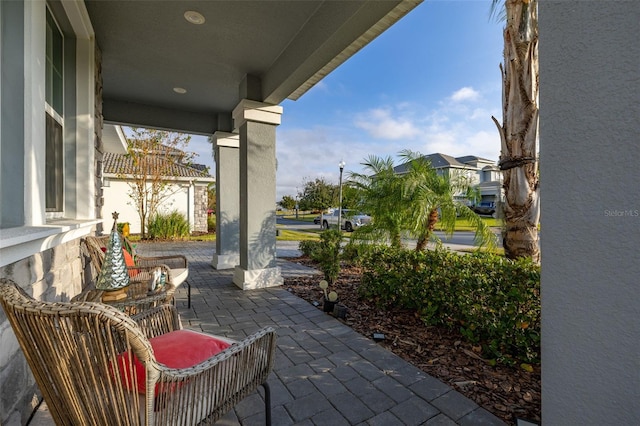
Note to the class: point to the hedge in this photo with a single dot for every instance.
(493, 301)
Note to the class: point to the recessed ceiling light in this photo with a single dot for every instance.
(180, 90)
(194, 17)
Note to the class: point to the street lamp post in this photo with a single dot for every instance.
(341, 165)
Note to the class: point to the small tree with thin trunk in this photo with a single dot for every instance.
(153, 156)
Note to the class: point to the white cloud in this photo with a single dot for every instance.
(203, 149)
(465, 94)
(380, 123)
(314, 151)
(480, 113)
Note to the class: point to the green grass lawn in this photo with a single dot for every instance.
(314, 234)
(284, 235)
(464, 225)
(290, 235)
(303, 217)
(134, 238)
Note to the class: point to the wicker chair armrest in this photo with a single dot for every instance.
(219, 382)
(158, 321)
(144, 273)
(91, 295)
(173, 262)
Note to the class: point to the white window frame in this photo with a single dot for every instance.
(38, 230)
(58, 211)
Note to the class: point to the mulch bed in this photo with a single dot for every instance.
(507, 392)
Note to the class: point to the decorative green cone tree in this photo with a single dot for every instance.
(114, 274)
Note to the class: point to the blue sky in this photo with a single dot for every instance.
(429, 84)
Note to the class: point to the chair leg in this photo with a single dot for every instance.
(267, 403)
(188, 295)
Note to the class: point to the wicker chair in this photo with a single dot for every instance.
(96, 366)
(176, 265)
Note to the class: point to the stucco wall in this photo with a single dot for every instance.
(589, 93)
(116, 198)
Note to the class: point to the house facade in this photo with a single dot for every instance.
(479, 172)
(184, 192)
(184, 189)
(67, 67)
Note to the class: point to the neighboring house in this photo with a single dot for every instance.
(480, 172)
(186, 189)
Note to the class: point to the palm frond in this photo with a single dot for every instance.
(497, 10)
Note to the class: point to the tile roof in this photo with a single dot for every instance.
(438, 161)
(468, 158)
(117, 164)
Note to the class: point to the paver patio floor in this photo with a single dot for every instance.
(325, 373)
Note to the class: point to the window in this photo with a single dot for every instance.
(54, 87)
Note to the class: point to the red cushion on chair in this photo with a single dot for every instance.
(177, 349)
(128, 260)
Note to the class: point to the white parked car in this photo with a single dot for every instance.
(351, 219)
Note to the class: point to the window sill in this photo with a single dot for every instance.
(23, 241)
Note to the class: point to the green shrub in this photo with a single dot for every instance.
(353, 252)
(211, 223)
(307, 247)
(327, 254)
(168, 226)
(493, 301)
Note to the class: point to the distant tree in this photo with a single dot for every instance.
(288, 202)
(318, 195)
(350, 196)
(153, 155)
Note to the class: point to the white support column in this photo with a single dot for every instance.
(257, 123)
(227, 156)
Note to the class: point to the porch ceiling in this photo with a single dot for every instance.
(148, 48)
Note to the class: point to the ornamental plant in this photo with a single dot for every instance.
(493, 301)
(327, 253)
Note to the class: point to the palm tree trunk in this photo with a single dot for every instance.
(396, 240)
(423, 240)
(519, 131)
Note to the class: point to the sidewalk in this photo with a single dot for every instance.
(325, 373)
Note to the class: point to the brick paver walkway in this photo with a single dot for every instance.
(325, 373)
